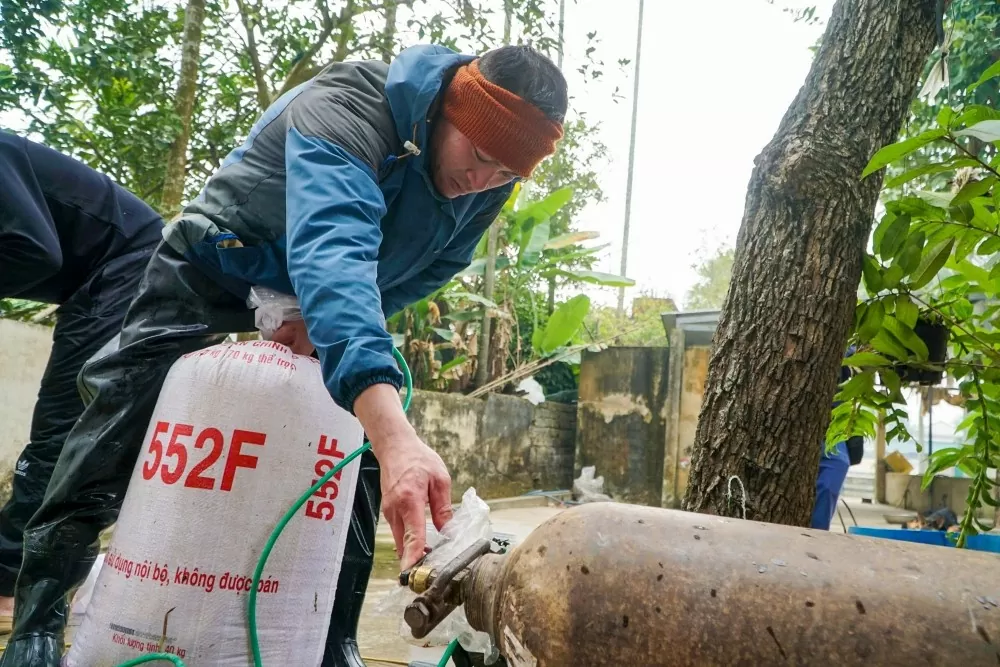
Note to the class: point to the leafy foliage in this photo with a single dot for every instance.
(528, 256)
(933, 272)
(714, 274)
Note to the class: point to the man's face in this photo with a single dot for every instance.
(459, 168)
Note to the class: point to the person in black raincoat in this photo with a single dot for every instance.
(71, 237)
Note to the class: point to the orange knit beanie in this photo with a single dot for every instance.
(498, 122)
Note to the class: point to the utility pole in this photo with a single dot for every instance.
(631, 163)
(483, 354)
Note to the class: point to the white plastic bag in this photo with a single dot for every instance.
(587, 488)
(272, 309)
(83, 594)
(471, 522)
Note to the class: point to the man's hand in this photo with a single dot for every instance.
(293, 334)
(412, 474)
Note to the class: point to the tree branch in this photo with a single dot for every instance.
(263, 94)
(954, 142)
(296, 75)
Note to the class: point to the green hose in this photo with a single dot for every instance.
(276, 533)
(153, 657)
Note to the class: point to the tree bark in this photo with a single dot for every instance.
(173, 183)
(786, 317)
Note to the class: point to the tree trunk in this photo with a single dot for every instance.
(389, 31)
(483, 355)
(786, 317)
(173, 183)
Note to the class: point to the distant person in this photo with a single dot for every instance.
(833, 467)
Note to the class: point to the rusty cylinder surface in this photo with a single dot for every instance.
(608, 584)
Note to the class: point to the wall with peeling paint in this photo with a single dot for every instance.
(23, 356)
(502, 445)
(622, 419)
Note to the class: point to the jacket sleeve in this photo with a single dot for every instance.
(455, 258)
(334, 208)
(29, 243)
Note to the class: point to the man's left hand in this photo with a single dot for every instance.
(293, 334)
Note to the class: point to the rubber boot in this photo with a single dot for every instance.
(359, 557)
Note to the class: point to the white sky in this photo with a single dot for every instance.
(714, 84)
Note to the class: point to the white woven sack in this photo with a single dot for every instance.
(239, 432)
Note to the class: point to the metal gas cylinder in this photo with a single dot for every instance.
(615, 584)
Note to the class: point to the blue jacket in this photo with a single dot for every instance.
(324, 201)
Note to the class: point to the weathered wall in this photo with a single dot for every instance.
(621, 421)
(502, 445)
(692, 391)
(903, 490)
(23, 355)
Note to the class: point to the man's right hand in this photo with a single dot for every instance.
(412, 474)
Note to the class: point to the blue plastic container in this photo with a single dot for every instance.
(990, 543)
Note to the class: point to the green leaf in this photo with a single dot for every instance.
(866, 359)
(989, 247)
(991, 71)
(987, 130)
(907, 312)
(871, 322)
(984, 218)
(891, 380)
(886, 343)
(893, 152)
(872, 274)
(974, 189)
(478, 266)
(531, 250)
(967, 243)
(973, 273)
(944, 117)
(927, 169)
(932, 262)
(597, 277)
(938, 199)
(944, 459)
(537, 336)
(398, 339)
(457, 361)
(907, 336)
(564, 323)
(894, 237)
(892, 276)
(974, 113)
(570, 239)
(446, 334)
(908, 258)
(544, 209)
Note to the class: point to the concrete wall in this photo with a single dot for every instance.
(502, 445)
(904, 491)
(23, 355)
(622, 420)
(692, 391)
